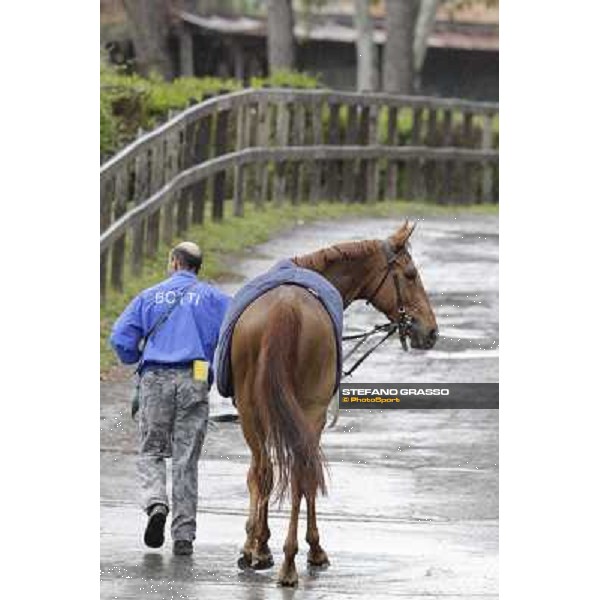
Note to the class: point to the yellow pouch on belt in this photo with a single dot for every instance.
(200, 370)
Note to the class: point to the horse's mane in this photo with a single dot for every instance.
(346, 251)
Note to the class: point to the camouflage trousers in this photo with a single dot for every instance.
(173, 419)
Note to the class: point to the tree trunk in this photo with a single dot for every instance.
(186, 51)
(423, 28)
(192, 6)
(366, 53)
(149, 21)
(280, 22)
(398, 68)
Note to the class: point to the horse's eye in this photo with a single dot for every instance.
(410, 272)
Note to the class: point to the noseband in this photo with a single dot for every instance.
(403, 321)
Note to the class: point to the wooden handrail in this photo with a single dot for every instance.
(276, 144)
(291, 153)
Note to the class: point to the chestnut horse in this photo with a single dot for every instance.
(284, 369)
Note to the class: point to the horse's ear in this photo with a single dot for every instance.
(401, 236)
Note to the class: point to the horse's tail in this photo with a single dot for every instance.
(288, 440)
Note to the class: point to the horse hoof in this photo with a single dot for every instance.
(291, 581)
(262, 563)
(318, 559)
(244, 562)
(288, 576)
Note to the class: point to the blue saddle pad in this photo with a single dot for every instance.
(284, 272)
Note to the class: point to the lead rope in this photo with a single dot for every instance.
(390, 328)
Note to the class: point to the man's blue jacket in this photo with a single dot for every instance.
(191, 331)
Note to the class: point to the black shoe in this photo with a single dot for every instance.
(183, 547)
(154, 537)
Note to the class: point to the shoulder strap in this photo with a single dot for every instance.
(160, 321)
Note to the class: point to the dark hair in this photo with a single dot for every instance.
(187, 260)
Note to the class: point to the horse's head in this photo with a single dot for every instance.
(396, 289)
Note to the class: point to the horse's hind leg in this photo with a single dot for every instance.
(317, 557)
(262, 557)
(245, 560)
(287, 573)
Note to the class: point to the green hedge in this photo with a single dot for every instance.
(129, 103)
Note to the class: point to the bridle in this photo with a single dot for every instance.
(403, 321)
(402, 324)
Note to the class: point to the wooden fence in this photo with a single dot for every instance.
(280, 145)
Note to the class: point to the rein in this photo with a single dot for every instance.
(391, 328)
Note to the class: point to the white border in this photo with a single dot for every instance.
(49, 299)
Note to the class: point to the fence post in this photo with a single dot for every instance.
(372, 183)
(362, 189)
(201, 153)
(170, 169)
(250, 136)
(296, 135)
(283, 124)
(413, 172)
(238, 171)
(186, 160)
(391, 188)
(431, 168)
(183, 195)
(219, 181)
(467, 192)
(316, 192)
(304, 139)
(333, 139)
(446, 189)
(156, 182)
(118, 247)
(140, 193)
(106, 201)
(349, 177)
(262, 140)
(486, 144)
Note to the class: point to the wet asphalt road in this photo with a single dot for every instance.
(413, 505)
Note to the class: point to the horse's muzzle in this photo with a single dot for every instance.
(423, 340)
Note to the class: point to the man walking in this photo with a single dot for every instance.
(172, 330)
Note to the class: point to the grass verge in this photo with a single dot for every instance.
(222, 241)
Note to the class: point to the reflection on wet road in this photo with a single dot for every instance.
(413, 504)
